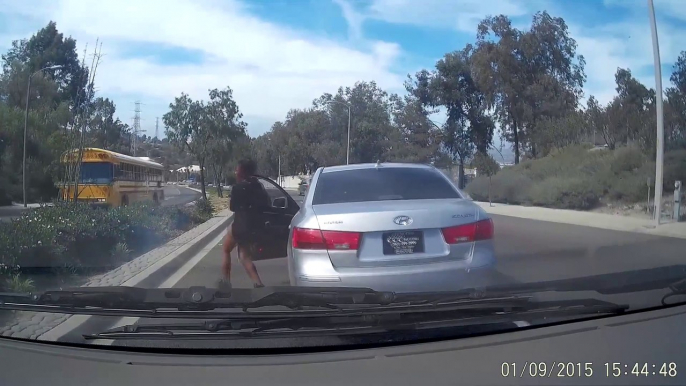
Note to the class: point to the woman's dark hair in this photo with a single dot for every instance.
(248, 166)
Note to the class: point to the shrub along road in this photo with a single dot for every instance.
(173, 195)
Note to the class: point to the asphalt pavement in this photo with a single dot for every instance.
(527, 251)
(178, 195)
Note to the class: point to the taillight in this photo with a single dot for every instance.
(341, 240)
(332, 240)
(308, 239)
(480, 230)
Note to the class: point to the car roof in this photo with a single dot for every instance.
(339, 168)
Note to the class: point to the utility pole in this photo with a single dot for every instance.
(660, 143)
(279, 177)
(347, 151)
(157, 127)
(26, 124)
(136, 126)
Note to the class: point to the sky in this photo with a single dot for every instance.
(277, 55)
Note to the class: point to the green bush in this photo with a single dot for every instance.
(627, 159)
(78, 236)
(201, 211)
(565, 193)
(478, 188)
(675, 169)
(506, 186)
(204, 206)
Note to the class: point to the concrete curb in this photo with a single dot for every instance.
(167, 259)
(588, 219)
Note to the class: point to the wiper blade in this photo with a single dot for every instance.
(178, 302)
(373, 320)
(198, 302)
(201, 302)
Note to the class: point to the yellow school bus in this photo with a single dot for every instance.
(113, 179)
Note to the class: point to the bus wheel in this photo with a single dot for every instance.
(124, 200)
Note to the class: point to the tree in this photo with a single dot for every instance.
(675, 108)
(193, 125)
(371, 123)
(560, 132)
(106, 131)
(219, 155)
(554, 75)
(498, 70)
(184, 128)
(487, 166)
(528, 75)
(414, 137)
(468, 127)
(49, 47)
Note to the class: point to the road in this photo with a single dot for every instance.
(527, 251)
(179, 195)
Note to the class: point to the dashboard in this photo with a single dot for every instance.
(632, 349)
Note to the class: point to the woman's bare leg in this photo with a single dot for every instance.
(229, 245)
(250, 269)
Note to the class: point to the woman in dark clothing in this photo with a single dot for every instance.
(249, 201)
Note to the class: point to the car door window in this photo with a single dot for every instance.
(272, 191)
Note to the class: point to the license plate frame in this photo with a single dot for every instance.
(413, 243)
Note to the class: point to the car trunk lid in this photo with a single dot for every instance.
(394, 232)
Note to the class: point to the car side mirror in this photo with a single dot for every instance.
(280, 203)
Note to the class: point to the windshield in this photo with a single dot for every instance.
(96, 172)
(379, 184)
(402, 163)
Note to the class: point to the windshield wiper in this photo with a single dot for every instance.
(188, 302)
(272, 302)
(460, 313)
(307, 302)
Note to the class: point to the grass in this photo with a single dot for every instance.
(218, 203)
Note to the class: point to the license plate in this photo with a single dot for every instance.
(403, 242)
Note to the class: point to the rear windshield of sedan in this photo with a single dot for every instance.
(381, 184)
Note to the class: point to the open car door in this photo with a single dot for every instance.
(277, 220)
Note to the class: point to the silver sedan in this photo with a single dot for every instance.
(392, 227)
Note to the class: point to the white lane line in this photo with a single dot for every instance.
(170, 282)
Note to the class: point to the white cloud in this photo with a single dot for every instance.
(626, 44)
(462, 15)
(353, 18)
(271, 68)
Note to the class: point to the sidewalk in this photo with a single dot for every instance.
(594, 220)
